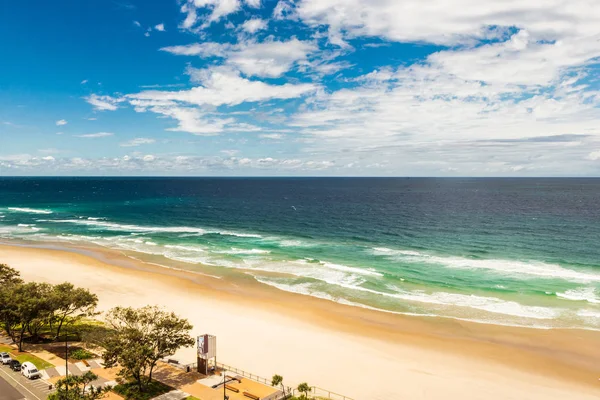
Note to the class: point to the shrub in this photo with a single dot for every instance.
(81, 354)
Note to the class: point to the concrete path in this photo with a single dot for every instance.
(172, 395)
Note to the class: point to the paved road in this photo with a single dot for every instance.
(7, 392)
(31, 390)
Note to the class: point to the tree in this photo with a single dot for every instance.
(78, 388)
(30, 303)
(9, 275)
(72, 303)
(276, 381)
(304, 389)
(9, 279)
(140, 338)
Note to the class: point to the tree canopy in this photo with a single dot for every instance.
(34, 307)
(78, 388)
(140, 338)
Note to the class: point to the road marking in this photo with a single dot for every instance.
(20, 384)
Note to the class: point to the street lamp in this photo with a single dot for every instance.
(225, 397)
(66, 362)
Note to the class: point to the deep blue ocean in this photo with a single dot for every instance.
(506, 251)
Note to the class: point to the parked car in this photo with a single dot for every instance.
(5, 358)
(15, 365)
(30, 371)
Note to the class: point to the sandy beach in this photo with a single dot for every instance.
(361, 353)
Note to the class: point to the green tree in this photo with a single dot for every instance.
(9, 275)
(9, 319)
(304, 389)
(78, 388)
(70, 303)
(30, 303)
(277, 380)
(140, 338)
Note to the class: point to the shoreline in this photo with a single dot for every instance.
(557, 362)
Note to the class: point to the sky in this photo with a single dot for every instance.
(300, 88)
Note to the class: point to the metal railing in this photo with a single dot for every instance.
(315, 393)
(320, 393)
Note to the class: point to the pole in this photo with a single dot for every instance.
(66, 362)
(224, 382)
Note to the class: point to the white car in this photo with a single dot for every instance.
(5, 358)
(30, 371)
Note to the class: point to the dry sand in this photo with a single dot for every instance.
(361, 353)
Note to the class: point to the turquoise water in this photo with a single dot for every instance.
(506, 251)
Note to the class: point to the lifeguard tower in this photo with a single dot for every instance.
(207, 354)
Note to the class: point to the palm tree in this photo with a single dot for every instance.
(304, 389)
(278, 380)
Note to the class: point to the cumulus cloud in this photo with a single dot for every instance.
(137, 142)
(218, 10)
(160, 27)
(254, 25)
(95, 135)
(253, 3)
(271, 58)
(220, 86)
(450, 23)
(61, 122)
(102, 103)
(151, 163)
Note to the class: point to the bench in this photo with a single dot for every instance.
(232, 388)
(252, 396)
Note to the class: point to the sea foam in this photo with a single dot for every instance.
(150, 229)
(29, 210)
(522, 269)
(581, 294)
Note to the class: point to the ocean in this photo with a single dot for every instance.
(522, 252)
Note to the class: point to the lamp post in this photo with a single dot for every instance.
(66, 362)
(224, 382)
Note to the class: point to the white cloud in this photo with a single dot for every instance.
(219, 9)
(254, 25)
(60, 133)
(160, 27)
(220, 86)
(166, 165)
(594, 155)
(253, 3)
(284, 9)
(103, 103)
(147, 34)
(61, 122)
(137, 23)
(450, 23)
(272, 136)
(95, 135)
(270, 58)
(92, 119)
(137, 142)
(83, 82)
(205, 49)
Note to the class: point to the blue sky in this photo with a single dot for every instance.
(311, 87)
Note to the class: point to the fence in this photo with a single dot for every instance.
(315, 393)
(320, 393)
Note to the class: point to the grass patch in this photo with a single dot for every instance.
(130, 390)
(191, 398)
(81, 354)
(24, 357)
